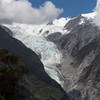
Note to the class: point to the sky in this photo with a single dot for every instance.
(71, 7)
(43, 11)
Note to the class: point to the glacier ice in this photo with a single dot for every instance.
(33, 36)
(50, 55)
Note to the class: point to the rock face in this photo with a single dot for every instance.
(80, 63)
(38, 84)
(78, 39)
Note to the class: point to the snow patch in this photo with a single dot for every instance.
(82, 21)
(43, 29)
(50, 55)
(33, 36)
(61, 22)
(89, 15)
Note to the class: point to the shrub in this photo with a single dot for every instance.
(11, 72)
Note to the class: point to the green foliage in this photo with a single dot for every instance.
(3, 52)
(11, 72)
(2, 98)
(10, 58)
(41, 90)
(13, 79)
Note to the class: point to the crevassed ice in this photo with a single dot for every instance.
(50, 55)
(53, 74)
(33, 36)
(43, 29)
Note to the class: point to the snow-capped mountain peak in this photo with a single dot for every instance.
(34, 37)
(42, 29)
(61, 22)
(89, 15)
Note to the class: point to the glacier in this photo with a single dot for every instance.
(34, 37)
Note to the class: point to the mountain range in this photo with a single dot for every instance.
(69, 50)
(37, 85)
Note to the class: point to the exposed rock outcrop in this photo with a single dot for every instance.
(80, 63)
(37, 84)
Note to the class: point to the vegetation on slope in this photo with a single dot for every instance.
(11, 71)
(13, 79)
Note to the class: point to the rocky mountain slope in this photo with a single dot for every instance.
(38, 84)
(68, 47)
(80, 62)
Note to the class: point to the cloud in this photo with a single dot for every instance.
(97, 10)
(21, 11)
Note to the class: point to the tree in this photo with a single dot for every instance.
(11, 72)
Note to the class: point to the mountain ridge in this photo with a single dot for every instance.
(76, 40)
(36, 81)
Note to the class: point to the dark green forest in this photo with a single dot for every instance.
(11, 72)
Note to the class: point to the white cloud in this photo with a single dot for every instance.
(21, 11)
(97, 10)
